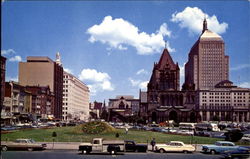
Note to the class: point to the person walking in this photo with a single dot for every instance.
(153, 144)
(126, 130)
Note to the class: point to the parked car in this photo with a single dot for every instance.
(174, 146)
(22, 144)
(246, 138)
(131, 146)
(219, 147)
(185, 132)
(239, 153)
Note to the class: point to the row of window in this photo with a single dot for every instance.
(222, 93)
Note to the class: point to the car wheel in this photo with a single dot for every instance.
(162, 151)
(4, 148)
(185, 151)
(212, 152)
(30, 149)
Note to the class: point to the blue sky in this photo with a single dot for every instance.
(111, 46)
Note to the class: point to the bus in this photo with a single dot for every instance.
(186, 126)
(207, 127)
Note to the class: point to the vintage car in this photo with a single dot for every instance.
(219, 147)
(22, 144)
(174, 146)
(131, 146)
(241, 152)
(245, 138)
(100, 145)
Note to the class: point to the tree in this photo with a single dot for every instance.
(233, 135)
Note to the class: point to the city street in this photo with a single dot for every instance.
(69, 154)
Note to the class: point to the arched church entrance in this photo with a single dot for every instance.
(173, 116)
(154, 117)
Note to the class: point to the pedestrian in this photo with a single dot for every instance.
(153, 144)
(126, 130)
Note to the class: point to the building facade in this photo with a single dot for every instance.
(2, 82)
(123, 107)
(40, 101)
(75, 98)
(42, 71)
(165, 101)
(225, 102)
(207, 64)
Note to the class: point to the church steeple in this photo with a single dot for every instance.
(204, 25)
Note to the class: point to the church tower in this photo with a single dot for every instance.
(58, 59)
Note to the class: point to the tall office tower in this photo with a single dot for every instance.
(207, 64)
(42, 71)
(75, 98)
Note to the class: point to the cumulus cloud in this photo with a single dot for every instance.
(182, 74)
(8, 52)
(12, 79)
(119, 33)
(245, 84)
(98, 81)
(15, 59)
(138, 83)
(239, 67)
(68, 70)
(192, 19)
(142, 71)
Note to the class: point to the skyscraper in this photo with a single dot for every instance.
(207, 64)
(42, 71)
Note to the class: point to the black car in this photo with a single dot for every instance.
(240, 153)
(131, 146)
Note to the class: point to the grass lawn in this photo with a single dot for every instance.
(69, 134)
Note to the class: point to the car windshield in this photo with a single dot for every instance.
(31, 141)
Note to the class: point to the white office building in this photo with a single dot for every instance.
(75, 98)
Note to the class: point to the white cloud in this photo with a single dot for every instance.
(143, 85)
(239, 67)
(192, 19)
(119, 33)
(142, 71)
(138, 83)
(15, 59)
(7, 52)
(12, 79)
(68, 70)
(182, 73)
(99, 81)
(245, 84)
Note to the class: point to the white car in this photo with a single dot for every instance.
(174, 146)
(185, 132)
(245, 138)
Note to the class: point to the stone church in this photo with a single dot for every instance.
(165, 100)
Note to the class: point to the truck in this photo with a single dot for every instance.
(102, 146)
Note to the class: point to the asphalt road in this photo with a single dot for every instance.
(66, 154)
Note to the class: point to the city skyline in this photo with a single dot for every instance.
(113, 50)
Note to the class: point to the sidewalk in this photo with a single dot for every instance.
(75, 145)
